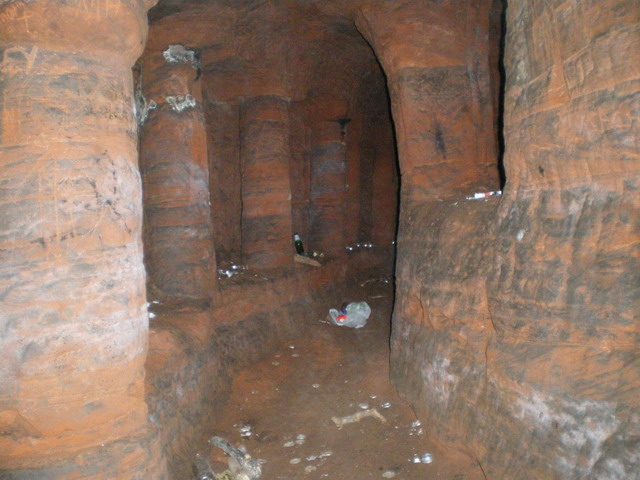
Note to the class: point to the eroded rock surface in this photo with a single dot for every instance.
(516, 325)
(515, 329)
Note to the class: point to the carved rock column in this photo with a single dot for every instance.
(266, 192)
(73, 317)
(178, 231)
(328, 189)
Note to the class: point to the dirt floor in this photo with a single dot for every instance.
(281, 410)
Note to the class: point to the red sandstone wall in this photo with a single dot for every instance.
(435, 57)
(516, 329)
(516, 324)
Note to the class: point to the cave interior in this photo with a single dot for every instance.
(469, 168)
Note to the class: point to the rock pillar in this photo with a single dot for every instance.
(178, 231)
(328, 192)
(266, 191)
(73, 316)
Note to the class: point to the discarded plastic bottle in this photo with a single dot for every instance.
(297, 241)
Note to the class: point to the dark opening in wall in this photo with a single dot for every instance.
(497, 47)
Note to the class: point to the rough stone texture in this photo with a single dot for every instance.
(223, 135)
(328, 189)
(300, 170)
(178, 234)
(435, 57)
(73, 318)
(516, 328)
(266, 192)
(515, 331)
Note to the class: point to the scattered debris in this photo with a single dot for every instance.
(241, 465)
(356, 417)
(232, 271)
(359, 246)
(245, 431)
(416, 428)
(180, 103)
(481, 195)
(425, 458)
(299, 440)
(354, 315)
(320, 456)
(306, 260)
(386, 405)
(384, 280)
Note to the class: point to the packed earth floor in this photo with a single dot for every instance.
(281, 410)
